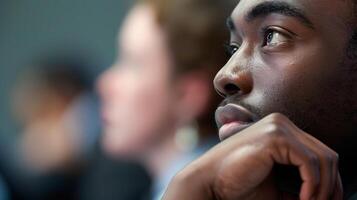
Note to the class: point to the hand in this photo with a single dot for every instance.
(241, 166)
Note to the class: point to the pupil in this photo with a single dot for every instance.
(269, 37)
(235, 49)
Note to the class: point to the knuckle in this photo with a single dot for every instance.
(337, 157)
(330, 159)
(275, 127)
(333, 156)
(275, 133)
(277, 117)
(276, 136)
(313, 159)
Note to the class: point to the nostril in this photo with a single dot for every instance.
(231, 89)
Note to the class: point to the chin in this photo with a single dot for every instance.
(120, 152)
(119, 148)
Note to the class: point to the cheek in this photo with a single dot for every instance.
(286, 82)
(151, 108)
(148, 105)
(152, 95)
(134, 90)
(142, 123)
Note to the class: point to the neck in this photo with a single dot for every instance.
(161, 155)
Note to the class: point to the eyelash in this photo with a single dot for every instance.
(231, 48)
(266, 32)
(282, 32)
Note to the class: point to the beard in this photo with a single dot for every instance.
(328, 111)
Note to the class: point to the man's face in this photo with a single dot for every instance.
(136, 91)
(289, 56)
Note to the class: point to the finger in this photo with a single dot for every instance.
(310, 180)
(327, 178)
(338, 191)
(328, 167)
(302, 152)
(328, 164)
(306, 160)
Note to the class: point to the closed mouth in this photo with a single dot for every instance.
(233, 118)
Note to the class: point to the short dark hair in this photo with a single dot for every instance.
(64, 76)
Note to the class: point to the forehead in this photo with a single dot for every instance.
(141, 29)
(336, 12)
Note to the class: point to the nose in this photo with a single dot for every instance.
(105, 84)
(235, 77)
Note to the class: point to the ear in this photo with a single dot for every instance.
(193, 96)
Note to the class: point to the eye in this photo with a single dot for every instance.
(274, 38)
(231, 49)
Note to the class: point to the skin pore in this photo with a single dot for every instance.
(305, 61)
(293, 58)
(306, 55)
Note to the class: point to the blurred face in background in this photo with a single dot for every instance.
(136, 92)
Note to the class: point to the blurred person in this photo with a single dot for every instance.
(112, 179)
(4, 189)
(60, 159)
(157, 99)
(56, 111)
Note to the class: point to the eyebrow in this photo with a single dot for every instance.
(279, 7)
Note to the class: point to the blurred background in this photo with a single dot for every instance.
(35, 29)
(50, 55)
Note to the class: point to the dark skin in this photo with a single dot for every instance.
(290, 92)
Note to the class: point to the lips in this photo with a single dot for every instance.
(232, 119)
